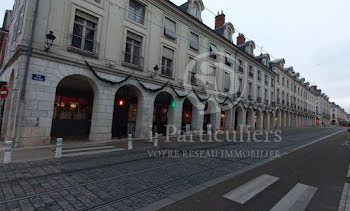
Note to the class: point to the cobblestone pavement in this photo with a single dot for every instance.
(128, 180)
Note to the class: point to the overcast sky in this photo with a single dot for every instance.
(313, 36)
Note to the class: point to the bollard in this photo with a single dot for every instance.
(8, 151)
(59, 148)
(188, 129)
(130, 142)
(156, 140)
(209, 129)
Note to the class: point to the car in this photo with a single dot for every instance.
(349, 127)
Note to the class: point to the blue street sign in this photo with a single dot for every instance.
(37, 77)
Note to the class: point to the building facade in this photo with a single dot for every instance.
(119, 67)
(338, 115)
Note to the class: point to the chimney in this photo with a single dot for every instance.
(219, 20)
(240, 39)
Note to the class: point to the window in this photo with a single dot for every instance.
(278, 78)
(228, 59)
(251, 74)
(84, 32)
(227, 82)
(266, 80)
(272, 82)
(240, 68)
(136, 11)
(170, 28)
(228, 33)
(211, 76)
(195, 10)
(194, 41)
(259, 75)
(240, 85)
(250, 90)
(272, 96)
(283, 82)
(258, 92)
(133, 49)
(192, 72)
(287, 84)
(167, 62)
(265, 95)
(212, 51)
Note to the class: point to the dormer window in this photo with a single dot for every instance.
(195, 10)
(228, 33)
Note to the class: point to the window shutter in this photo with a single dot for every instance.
(168, 53)
(134, 36)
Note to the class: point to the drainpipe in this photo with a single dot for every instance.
(22, 91)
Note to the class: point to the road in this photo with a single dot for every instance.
(323, 165)
(129, 180)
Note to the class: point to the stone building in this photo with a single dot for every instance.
(119, 67)
(338, 115)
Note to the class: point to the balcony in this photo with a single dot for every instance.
(273, 104)
(250, 97)
(258, 100)
(266, 102)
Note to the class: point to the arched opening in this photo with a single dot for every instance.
(73, 108)
(249, 118)
(277, 125)
(238, 117)
(164, 105)
(126, 115)
(186, 114)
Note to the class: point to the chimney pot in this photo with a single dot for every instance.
(240, 39)
(219, 20)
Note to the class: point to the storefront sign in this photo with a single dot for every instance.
(37, 77)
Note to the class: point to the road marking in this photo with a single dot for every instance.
(296, 199)
(346, 143)
(247, 191)
(344, 198)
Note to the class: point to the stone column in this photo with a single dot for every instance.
(279, 121)
(197, 118)
(145, 108)
(215, 120)
(229, 120)
(175, 115)
(102, 116)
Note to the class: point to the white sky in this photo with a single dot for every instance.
(313, 36)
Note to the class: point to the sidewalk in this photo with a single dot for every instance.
(27, 154)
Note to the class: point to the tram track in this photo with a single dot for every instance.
(138, 172)
(145, 157)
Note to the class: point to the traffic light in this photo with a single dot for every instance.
(121, 103)
(173, 104)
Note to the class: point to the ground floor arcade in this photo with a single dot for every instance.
(73, 102)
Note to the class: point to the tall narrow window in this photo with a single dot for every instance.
(250, 90)
(84, 32)
(211, 77)
(136, 11)
(227, 82)
(259, 92)
(240, 85)
(133, 49)
(167, 62)
(213, 51)
(240, 68)
(194, 41)
(229, 60)
(192, 71)
(170, 28)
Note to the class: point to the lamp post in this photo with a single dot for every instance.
(49, 40)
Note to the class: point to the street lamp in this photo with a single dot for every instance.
(49, 40)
